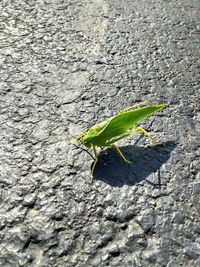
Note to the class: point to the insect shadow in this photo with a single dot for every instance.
(112, 170)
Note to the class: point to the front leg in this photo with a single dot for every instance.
(95, 163)
(73, 141)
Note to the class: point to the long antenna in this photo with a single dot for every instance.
(83, 149)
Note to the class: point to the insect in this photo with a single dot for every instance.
(108, 132)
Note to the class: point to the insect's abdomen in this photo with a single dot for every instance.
(123, 122)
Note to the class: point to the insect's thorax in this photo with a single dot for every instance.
(91, 136)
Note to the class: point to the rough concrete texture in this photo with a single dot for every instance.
(65, 65)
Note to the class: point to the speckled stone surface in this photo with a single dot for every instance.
(65, 65)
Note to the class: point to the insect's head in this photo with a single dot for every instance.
(86, 141)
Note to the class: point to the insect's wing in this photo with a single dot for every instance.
(123, 122)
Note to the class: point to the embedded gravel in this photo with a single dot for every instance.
(65, 65)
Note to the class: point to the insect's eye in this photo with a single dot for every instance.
(86, 142)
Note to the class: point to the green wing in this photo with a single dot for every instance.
(124, 121)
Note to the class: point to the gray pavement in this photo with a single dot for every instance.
(65, 65)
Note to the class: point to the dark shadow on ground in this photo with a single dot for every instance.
(112, 170)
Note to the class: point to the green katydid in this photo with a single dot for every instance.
(108, 132)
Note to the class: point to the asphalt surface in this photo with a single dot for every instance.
(65, 65)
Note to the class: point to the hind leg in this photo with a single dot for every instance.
(132, 132)
(146, 133)
(121, 154)
(134, 106)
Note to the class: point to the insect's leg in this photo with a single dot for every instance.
(121, 154)
(130, 133)
(109, 143)
(73, 141)
(146, 133)
(95, 163)
(134, 106)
